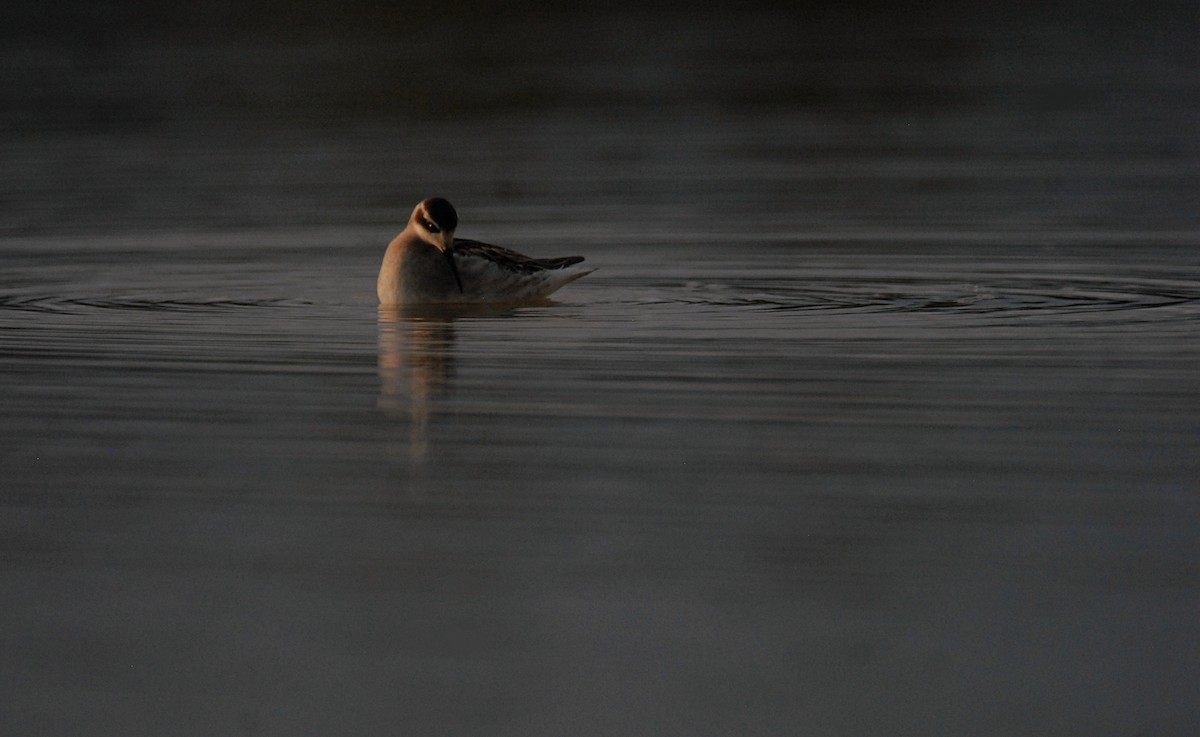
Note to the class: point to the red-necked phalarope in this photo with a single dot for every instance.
(427, 264)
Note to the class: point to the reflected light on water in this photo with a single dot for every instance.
(416, 365)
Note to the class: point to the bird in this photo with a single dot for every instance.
(426, 264)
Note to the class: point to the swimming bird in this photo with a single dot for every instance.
(427, 264)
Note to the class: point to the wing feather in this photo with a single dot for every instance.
(494, 274)
(508, 259)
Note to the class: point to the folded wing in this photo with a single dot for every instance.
(494, 274)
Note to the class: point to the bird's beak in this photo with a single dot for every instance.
(447, 242)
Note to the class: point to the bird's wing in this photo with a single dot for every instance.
(508, 260)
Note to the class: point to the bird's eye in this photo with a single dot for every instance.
(431, 226)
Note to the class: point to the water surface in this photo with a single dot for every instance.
(878, 417)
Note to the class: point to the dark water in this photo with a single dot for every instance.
(879, 417)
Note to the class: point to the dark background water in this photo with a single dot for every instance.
(879, 416)
(791, 119)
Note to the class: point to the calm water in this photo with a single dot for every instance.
(879, 417)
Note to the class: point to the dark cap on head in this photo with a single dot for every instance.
(442, 213)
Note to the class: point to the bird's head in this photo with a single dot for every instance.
(434, 221)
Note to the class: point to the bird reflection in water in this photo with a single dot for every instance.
(416, 365)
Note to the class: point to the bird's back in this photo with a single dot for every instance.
(495, 274)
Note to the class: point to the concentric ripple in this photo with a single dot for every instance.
(57, 304)
(989, 292)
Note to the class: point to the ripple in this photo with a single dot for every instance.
(68, 305)
(1001, 296)
(997, 290)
